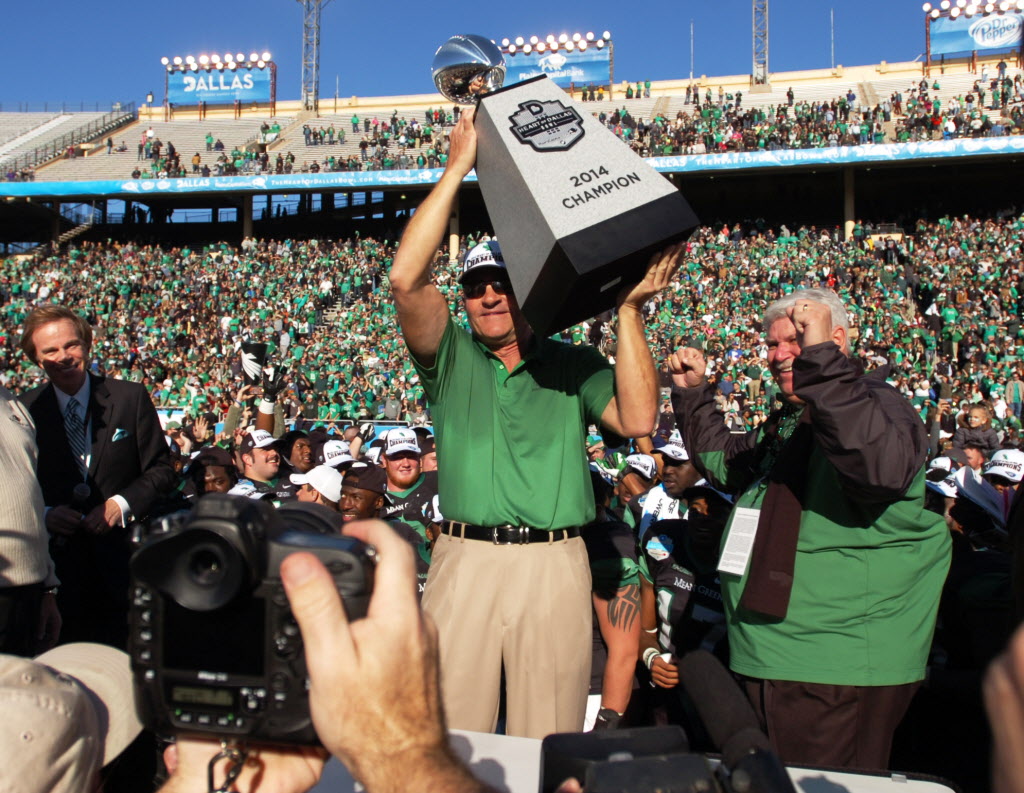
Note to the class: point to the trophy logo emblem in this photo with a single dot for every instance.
(547, 126)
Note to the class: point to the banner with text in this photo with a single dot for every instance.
(968, 34)
(217, 87)
(581, 68)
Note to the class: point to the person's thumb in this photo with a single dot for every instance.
(317, 608)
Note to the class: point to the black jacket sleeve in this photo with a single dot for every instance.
(721, 456)
(865, 427)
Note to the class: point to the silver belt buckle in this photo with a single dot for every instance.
(523, 538)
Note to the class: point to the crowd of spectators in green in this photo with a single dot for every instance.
(940, 304)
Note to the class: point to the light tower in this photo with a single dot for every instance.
(311, 52)
(759, 76)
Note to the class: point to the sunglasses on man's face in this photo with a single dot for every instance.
(476, 289)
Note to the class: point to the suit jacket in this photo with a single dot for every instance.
(129, 452)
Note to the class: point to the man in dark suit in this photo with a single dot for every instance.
(103, 461)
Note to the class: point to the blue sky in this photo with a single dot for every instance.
(63, 51)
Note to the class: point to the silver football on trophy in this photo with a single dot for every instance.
(466, 67)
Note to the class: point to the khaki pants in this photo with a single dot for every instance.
(525, 606)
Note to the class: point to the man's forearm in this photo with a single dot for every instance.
(408, 772)
(423, 236)
(636, 382)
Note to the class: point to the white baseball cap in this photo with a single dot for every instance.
(486, 254)
(643, 464)
(325, 479)
(1007, 463)
(336, 453)
(674, 451)
(401, 439)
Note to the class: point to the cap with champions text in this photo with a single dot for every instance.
(399, 440)
(257, 439)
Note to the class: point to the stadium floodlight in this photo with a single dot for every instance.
(204, 59)
(576, 37)
(590, 36)
(935, 13)
(261, 63)
(190, 59)
(534, 40)
(511, 49)
(926, 7)
(253, 56)
(1020, 5)
(266, 56)
(961, 4)
(550, 38)
(570, 46)
(972, 8)
(194, 67)
(505, 42)
(240, 57)
(583, 44)
(165, 60)
(177, 60)
(541, 46)
(527, 48)
(600, 44)
(1004, 6)
(606, 36)
(519, 41)
(563, 38)
(944, 5)
(954, 13)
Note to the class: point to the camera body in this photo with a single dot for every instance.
(213, 643)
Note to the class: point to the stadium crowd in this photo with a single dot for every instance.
(343, 419)
(941, 300)
(716, 123)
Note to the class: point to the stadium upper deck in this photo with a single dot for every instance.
(840, 173)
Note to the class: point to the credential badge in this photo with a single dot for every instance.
(547, 126)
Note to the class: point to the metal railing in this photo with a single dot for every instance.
(62, 107)
(57, 147)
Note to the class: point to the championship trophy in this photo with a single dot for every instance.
(577, 212)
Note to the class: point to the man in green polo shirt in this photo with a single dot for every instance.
(509, 582)
(831, 567)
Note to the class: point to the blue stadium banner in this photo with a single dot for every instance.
(216, 87)
(581, 68)
(968, 34)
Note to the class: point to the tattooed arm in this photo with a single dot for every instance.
(619, 622)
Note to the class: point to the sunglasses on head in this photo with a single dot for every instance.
(476, 289)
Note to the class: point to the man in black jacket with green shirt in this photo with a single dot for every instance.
(831, 568)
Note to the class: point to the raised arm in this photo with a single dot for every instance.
(632, 412)
(718, 454)
(422, 309)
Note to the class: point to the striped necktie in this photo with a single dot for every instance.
(75, 430)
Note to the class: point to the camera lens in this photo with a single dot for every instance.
(206, 566)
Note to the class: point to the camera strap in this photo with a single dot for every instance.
(236, 755)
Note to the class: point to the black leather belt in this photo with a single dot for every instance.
(507, 535)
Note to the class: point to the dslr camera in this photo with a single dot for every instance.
(213, 643)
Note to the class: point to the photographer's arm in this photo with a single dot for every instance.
(375, 689)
